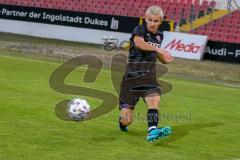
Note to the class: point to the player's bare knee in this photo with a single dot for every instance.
(153, 102)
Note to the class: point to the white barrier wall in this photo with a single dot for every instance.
(59, 32)
(178, 44)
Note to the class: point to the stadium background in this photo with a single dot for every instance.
(203, 108)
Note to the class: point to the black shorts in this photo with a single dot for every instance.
(132, 89)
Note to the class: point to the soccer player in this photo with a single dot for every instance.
(140, 76)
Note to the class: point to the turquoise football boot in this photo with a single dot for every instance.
(159, 133)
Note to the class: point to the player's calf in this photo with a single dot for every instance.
(125, 118)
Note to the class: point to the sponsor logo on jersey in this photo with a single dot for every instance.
(155, 44)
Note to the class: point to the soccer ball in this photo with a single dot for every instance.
(78, 109)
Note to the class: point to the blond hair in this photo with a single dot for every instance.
(155, 10)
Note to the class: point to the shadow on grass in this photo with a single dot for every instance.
(182, 131)
(133, 135)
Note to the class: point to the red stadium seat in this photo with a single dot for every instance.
(189, 2)
(212, 4)
(172, 8)
(238, 39)
(196, 2)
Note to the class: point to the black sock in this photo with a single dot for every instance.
(152, 118)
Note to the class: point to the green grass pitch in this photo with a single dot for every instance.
(204, 117)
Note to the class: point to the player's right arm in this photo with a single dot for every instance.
(143, 45)
(162, 55)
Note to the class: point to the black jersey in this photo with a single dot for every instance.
(139, 60)
(136, 55)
